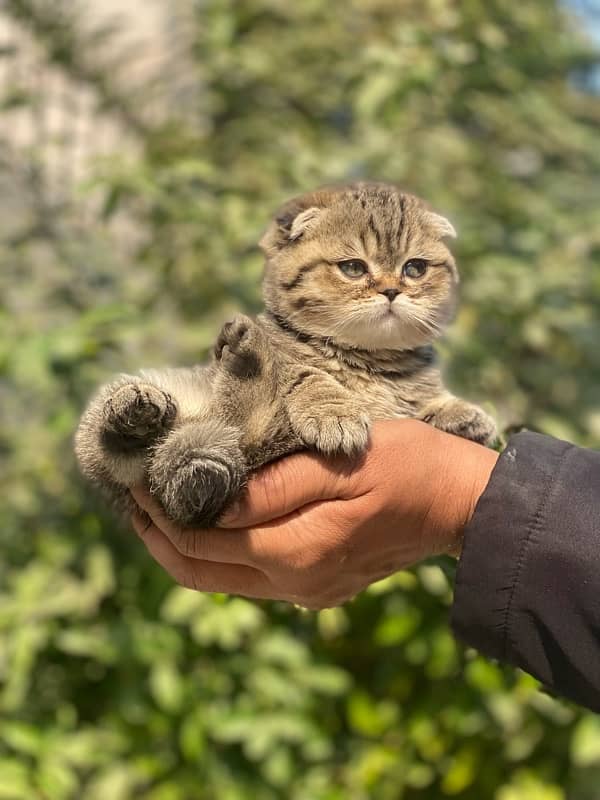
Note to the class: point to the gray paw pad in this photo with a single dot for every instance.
(236, 348)
(136, 414)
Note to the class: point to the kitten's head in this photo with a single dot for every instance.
(364, 265)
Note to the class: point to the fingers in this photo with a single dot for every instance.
(269, 548)
(286, 505)
(219, 546)
(205, 576)
(153, 508)
(287, 485)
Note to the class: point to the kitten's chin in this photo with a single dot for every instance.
(377, 338)
(386, 331)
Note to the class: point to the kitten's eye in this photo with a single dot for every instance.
(415, 268)
(354, 268)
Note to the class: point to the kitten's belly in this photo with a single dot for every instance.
(191, 388)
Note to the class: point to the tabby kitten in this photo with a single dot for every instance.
(358, 284)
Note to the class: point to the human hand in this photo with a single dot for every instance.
(316, 531)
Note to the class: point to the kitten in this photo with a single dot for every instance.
(358, 284)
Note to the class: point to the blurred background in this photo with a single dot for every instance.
(143, 146)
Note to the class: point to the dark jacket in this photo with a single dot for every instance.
(528, 581)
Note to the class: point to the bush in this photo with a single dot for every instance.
(113, 682)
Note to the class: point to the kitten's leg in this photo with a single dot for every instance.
(249, 383)
(241, 348)
(197, 470)
(325, 415)
(118, 426)
(453, 415)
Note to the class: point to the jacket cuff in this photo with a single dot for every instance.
(506, 525)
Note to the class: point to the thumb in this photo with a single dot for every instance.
(286, 485)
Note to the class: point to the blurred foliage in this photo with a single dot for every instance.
(115, 684)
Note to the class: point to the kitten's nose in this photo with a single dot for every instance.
(390, 294)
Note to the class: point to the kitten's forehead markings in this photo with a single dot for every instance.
(402, 227)
(385, 223)
(363, 241)
(375, 230)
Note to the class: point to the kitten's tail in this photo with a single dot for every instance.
(197, 470)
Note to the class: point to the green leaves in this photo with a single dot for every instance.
(113, 682)
(585, 744)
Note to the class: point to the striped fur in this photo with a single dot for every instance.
(330, 354)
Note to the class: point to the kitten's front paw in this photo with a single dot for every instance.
(238, 345)
(462, 419)
(135, 415)
(331, 434)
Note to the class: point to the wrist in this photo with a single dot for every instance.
(462, 476)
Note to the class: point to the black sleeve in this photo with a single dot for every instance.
(528, 581)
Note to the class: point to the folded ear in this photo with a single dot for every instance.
(440, 225)
(293, 221)
(304, 222)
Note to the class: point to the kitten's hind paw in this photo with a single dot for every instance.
(238, 346)
(197, 492)
(197, 471)
(135, 415)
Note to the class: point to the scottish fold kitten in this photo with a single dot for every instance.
(358, 283)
